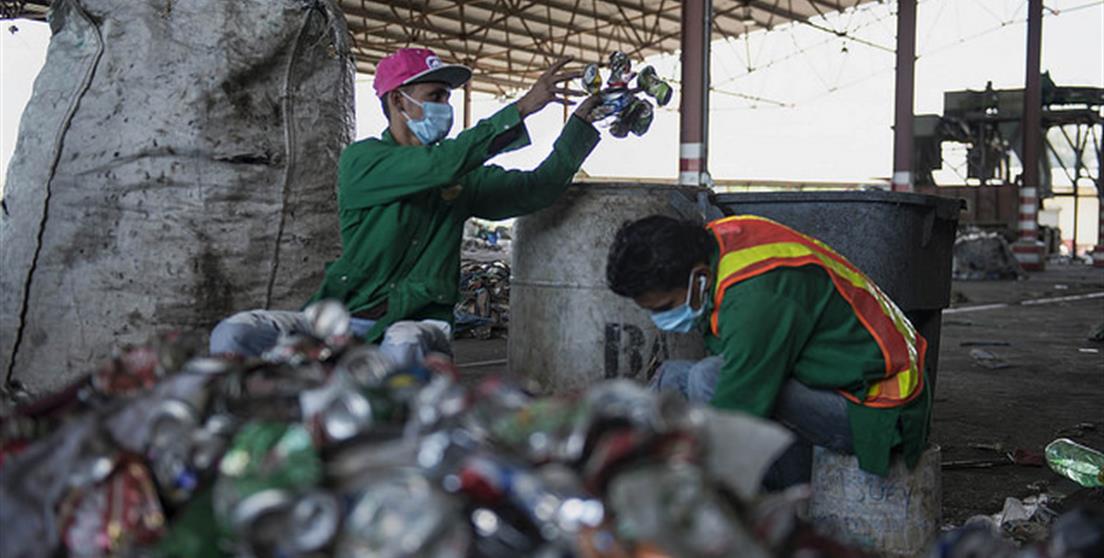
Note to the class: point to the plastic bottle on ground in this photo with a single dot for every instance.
(1079, 463)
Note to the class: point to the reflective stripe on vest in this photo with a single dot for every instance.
(751, 245)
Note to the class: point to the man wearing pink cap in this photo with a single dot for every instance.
(403, 200)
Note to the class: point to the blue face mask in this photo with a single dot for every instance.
(435, 123)
(680, 319)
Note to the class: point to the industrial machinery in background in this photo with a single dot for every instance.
(988, 124)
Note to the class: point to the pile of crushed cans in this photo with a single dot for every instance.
(620, 100)
(323, 448)
(484, 308)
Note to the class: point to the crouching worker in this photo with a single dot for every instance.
(798, 334)
(403, 200)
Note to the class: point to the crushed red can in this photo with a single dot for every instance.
(117, 514)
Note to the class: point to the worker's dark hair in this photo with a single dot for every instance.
(655, 254)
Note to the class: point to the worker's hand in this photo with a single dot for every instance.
(585, 110)
(548, 89)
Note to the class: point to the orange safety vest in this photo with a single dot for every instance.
(751, 245)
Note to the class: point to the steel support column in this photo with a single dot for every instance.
(1029, 251)
(905, 85)
(697, 23)
(1098, 252)
(467, 104)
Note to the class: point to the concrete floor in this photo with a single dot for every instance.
(1055, 382)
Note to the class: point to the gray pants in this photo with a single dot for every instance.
(817, 417)
(252, 333)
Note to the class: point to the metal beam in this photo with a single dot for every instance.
(607, 19)
(611, 21)
(681, 32)
(834, 6)
(582, 49)
(449, 40)
(444, 33)
(776, 10)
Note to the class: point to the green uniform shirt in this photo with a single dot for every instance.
(791, 322)
(402, 211)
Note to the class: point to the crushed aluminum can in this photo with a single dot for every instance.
(336, 411)
(440, 401)
(614, 101)
(640, 115)
(654, 86)
(313, 521)
(612, 448)
(366, 365)
(264, 456)
(169, 448)
(402, 514)
(636, 117)
(539, 431)
(620, 67)
(299, 350)
(549, 497)
(625, 400)
(258, 522)
(210, 442)
(497, 535)
(209, 366)
(276, 522)
(130, 370)
(526, 510)
(330, 322)
(675, 507)
(270, 392)
(114, 516)
(620, 403)
(575, 509)
(592, 79)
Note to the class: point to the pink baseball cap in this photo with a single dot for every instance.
(417, 65)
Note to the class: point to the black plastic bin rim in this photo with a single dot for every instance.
(648, 188)
(945, 208)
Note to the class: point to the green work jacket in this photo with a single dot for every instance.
(402, 211)
(792, 323)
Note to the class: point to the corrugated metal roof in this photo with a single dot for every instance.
(509, 42)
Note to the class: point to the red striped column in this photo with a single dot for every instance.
(691, 164)
(1028, 250)
(1098, 252)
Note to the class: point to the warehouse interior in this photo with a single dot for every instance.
(176, 164)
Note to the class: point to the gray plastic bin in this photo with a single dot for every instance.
(902, 241)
